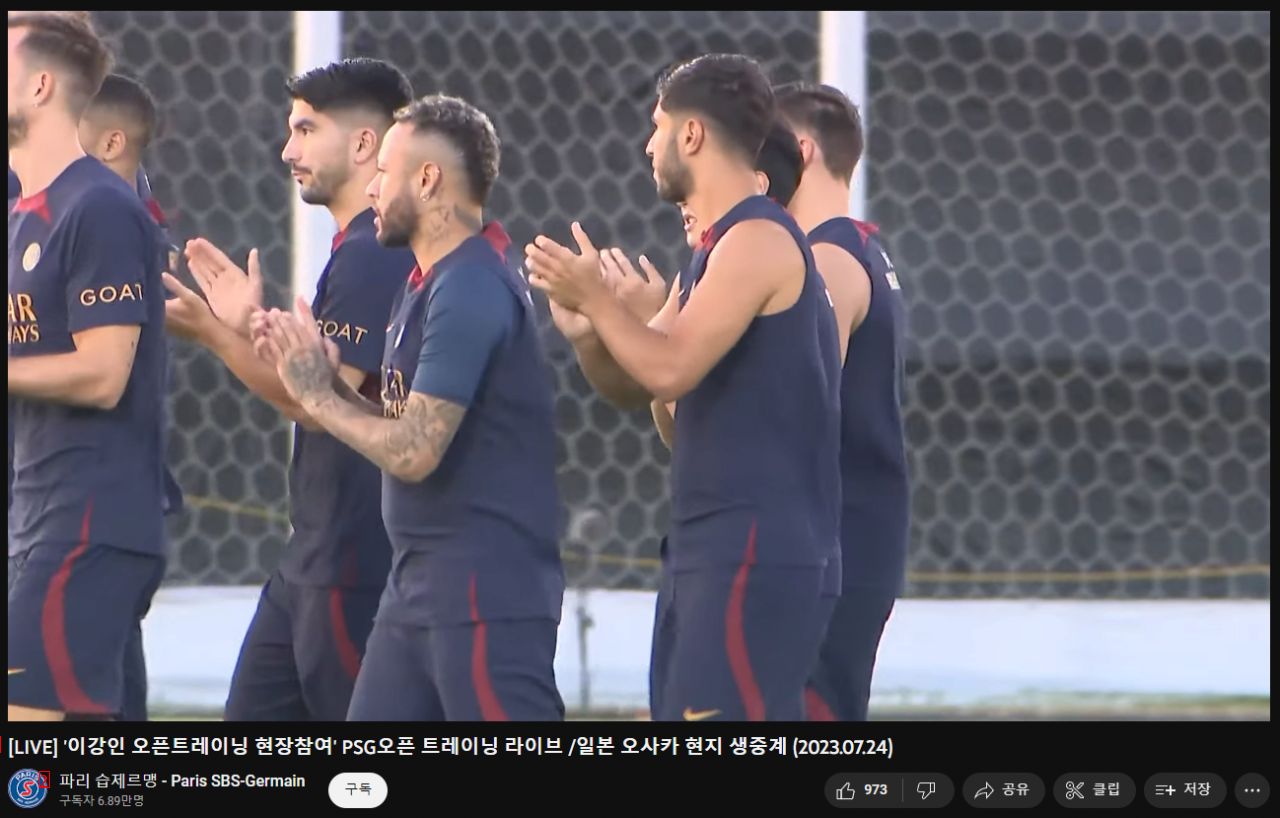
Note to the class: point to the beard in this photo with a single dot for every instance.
(398, 222)
(321, 186)
(675, 181)
(17, 130)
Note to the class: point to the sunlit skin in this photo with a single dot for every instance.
(322, 153)
(396, 215)
(43, 135)
(692, 229)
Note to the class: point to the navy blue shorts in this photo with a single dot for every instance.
(75, 636)
(735, 644)
(488, 671)
(840, 688)
(302, 653)
(664, 634)
(134, 707)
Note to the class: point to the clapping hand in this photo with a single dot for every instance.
(306, 361)
(233, 294)
(644, 294)
(572, 280)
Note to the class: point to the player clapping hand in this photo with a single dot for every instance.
(569, 279)
(186, 315)
(233, 293)
(643, 294)
(306, 362)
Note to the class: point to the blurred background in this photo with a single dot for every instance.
(1079, 207)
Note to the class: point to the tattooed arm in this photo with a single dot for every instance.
(469, 314)
(409, 447)
(342, 389)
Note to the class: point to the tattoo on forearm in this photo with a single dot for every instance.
(308, 373)
(423, 432)
(344, 391)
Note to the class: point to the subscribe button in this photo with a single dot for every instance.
(358, 790)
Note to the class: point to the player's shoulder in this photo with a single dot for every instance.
(830, 257)
(362, 254)
(876, 245)
(96, 191)
(481, 283)
(481, 275)
(762, 244)
(363, 270)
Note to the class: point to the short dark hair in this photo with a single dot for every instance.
(70, 44)
(132, 101)
(831, 118)
(780, 160)
(359, 83)
(731, 91)
(468, 129)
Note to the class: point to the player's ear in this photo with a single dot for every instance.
(762, 183)
(693, 133)
(41, 87)
(807, 150)
(429, 181)
(365, 145)
(114, 144)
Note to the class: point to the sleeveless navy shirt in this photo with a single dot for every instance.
(873, 462)
(756, 475)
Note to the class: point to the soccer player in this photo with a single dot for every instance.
(465, 436)
(755, 364)
(144, 190)
(303, 650)
(86, 375)
(876, 489)
(778, 170)
(115, 129)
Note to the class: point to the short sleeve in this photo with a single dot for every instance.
(469, 315)
(112, 259)
(363, 281)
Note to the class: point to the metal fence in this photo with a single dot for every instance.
(1079, 203)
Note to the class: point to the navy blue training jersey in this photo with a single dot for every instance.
(477, 539)
(15, 190)
(873, 459)
(335, 494)
(83, 254)
(759, 436)
(173, 494)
